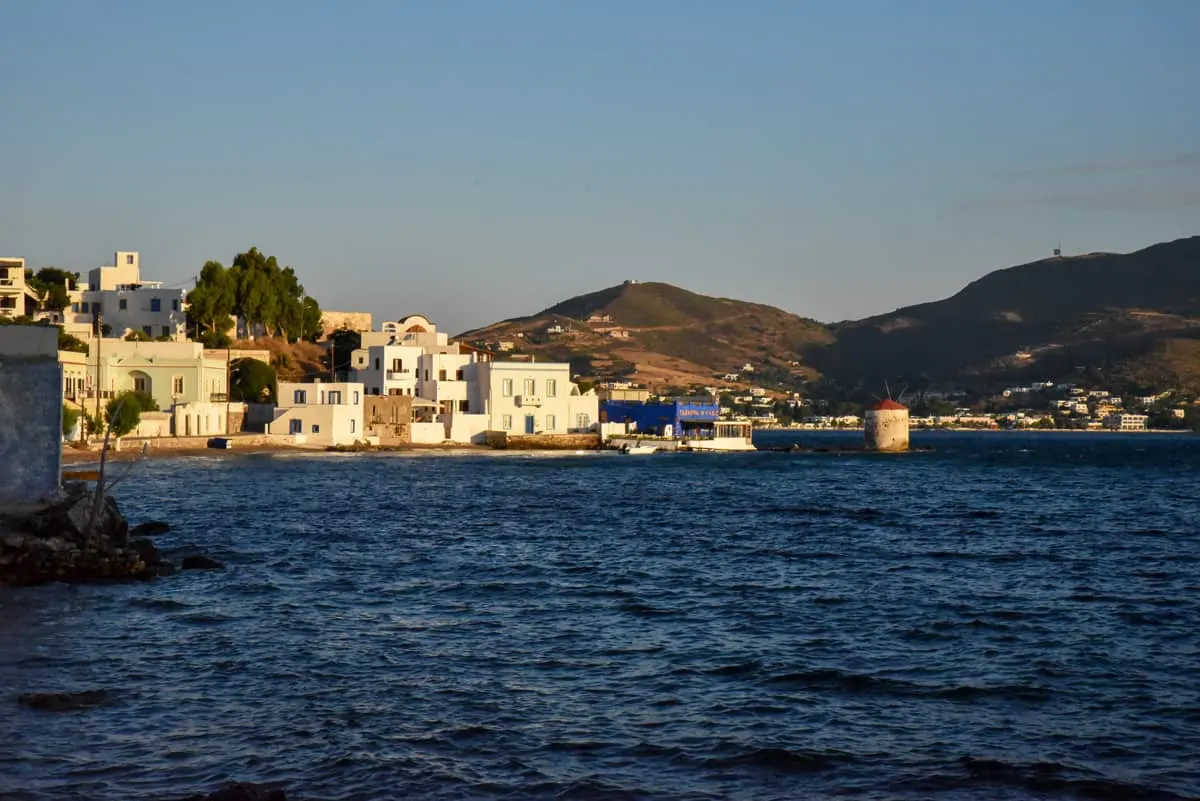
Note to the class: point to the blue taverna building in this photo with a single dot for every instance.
(675, 418)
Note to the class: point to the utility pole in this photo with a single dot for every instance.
(99, 337)
(228, 387)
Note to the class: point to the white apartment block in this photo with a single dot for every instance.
(127, 303)
(319, 413)
(1124, 421)
(531, 398)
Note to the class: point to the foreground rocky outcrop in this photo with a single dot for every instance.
(74, 541)
(242, 791)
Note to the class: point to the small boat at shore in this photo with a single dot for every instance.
(638, 450)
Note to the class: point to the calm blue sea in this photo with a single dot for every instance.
(1010, 616)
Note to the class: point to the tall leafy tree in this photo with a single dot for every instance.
(211, 304)
(271, 298)
(262, 295)
(310, 319)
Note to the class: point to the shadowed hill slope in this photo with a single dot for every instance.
(1052, 315)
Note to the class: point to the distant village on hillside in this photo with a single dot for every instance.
(404, 382)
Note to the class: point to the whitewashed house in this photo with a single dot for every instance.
(126, 303)
(386, 369)
(319, 413)
(443, 380)
(531, 398)
(13, 292)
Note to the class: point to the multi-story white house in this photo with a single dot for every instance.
(386, 369)
(12, 287)
(1124, 421)
(531, 398)
(319, 413)
(127, 303)
(443, 379)
(387, 363)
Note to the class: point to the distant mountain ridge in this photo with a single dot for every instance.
(1135, 315)
(1054, 314)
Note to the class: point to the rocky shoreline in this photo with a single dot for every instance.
(77, 540)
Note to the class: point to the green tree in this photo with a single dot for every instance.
(138, 336)
(211, 305)
(310, 319)
(261, 294)
(124, 412)
(68, 342)
(70, 416)
(252, 381)
(51, 286)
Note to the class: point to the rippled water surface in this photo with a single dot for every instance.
(1008, 617)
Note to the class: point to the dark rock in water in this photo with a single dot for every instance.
(146, 551)
(77, 516)
(199, 562)
(165, 568)
(242, 791)
(72, 540)
(59, 702)
(151, 528)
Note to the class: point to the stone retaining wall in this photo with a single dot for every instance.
(542, 442)
(191, 443)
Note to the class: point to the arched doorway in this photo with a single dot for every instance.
(141, 382)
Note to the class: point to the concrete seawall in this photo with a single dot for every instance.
(30, 414)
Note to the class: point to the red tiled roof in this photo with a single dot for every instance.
(887, 404)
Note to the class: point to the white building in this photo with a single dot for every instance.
(388, 362)
(444, 378)
(416, 330)
(386, 369)
(1124, 421)
(12, 287)
(319, 413)
(126, 303)
(186, 381)
(531, 398)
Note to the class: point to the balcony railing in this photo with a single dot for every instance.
(529, 400)
(397, 375)
(218, 397)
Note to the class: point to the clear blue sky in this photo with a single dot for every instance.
(476, 160)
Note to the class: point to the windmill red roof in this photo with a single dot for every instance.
(887, 404)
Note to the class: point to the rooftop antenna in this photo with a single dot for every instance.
(1058, 248)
